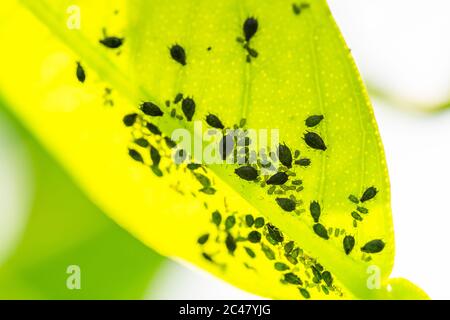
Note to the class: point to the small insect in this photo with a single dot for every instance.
(249, 220)
(216, 218)
(274, 233)
(304, 293)
(373, 246)
(130, 119)
(135, 155)
(178, 54)
(328, 278)
(370, 193)
(317, 274)
(288, 247)
(193, 166)
(250, 27)
(278, 178)
(207, 257)
(250, 252)
(178, 98)
(208, 190)
(156, 171)
(153, 129)
(112, 42)
(292, 278)
(188, 107)
(285, 155)
(81, 74)
(230, 221)
(142, 142)
(362, 210)
(321, 231)
(356, 216)
(296, 154)
(313, 140)
(304, 162)
(151, 109)
(348, 243)
(209, 48)
(259, 222)
(155, 156)
(314, 208)
(286, 204)
(313, 121)
(214, 121)
(268, 252)
(203, 239)
(230, 242)
(170, 143)
(254, 237)
(280, 266)
(242, 122)
(247, 173)
(204, 180)
(353, 199)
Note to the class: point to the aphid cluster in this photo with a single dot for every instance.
(250, 27)
(255, 237)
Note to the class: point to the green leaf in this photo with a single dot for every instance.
(262, 65)
(64, 228)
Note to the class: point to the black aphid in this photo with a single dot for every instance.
(304, 293)
(274, 233)
(292, 278)
(207, 257)
(155, 156)
(259, 222)
(348, 243)
(214, 121)
(362, 210)
(204, 180)
(327, 277)
(178, 98)
(156, 170)
(370, 193)
(81, 74)
(353, 198)
(278, 178)
(142, 142)
(313, 140)
(254, 237)
(280, 266)
(268, 252)
(226, 146)
(112, 42)
(135, 155)
(216, 218)
(250, 252)
(130, 119)
(286, 204)
(314, 208)
(230, 242)
(288, 247)
(304, 162)
(203, 239)
(317, 274)
(193, 166)
(151, 109)
(313, 121)
(178, 54)
(285, 155)
(356, 216)
(321, 231)
(249, 220)
(373, 246)
(170, 143)
(250, 28)
(230, 221)
(153, 129)
(247, 173)
(188, 107)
